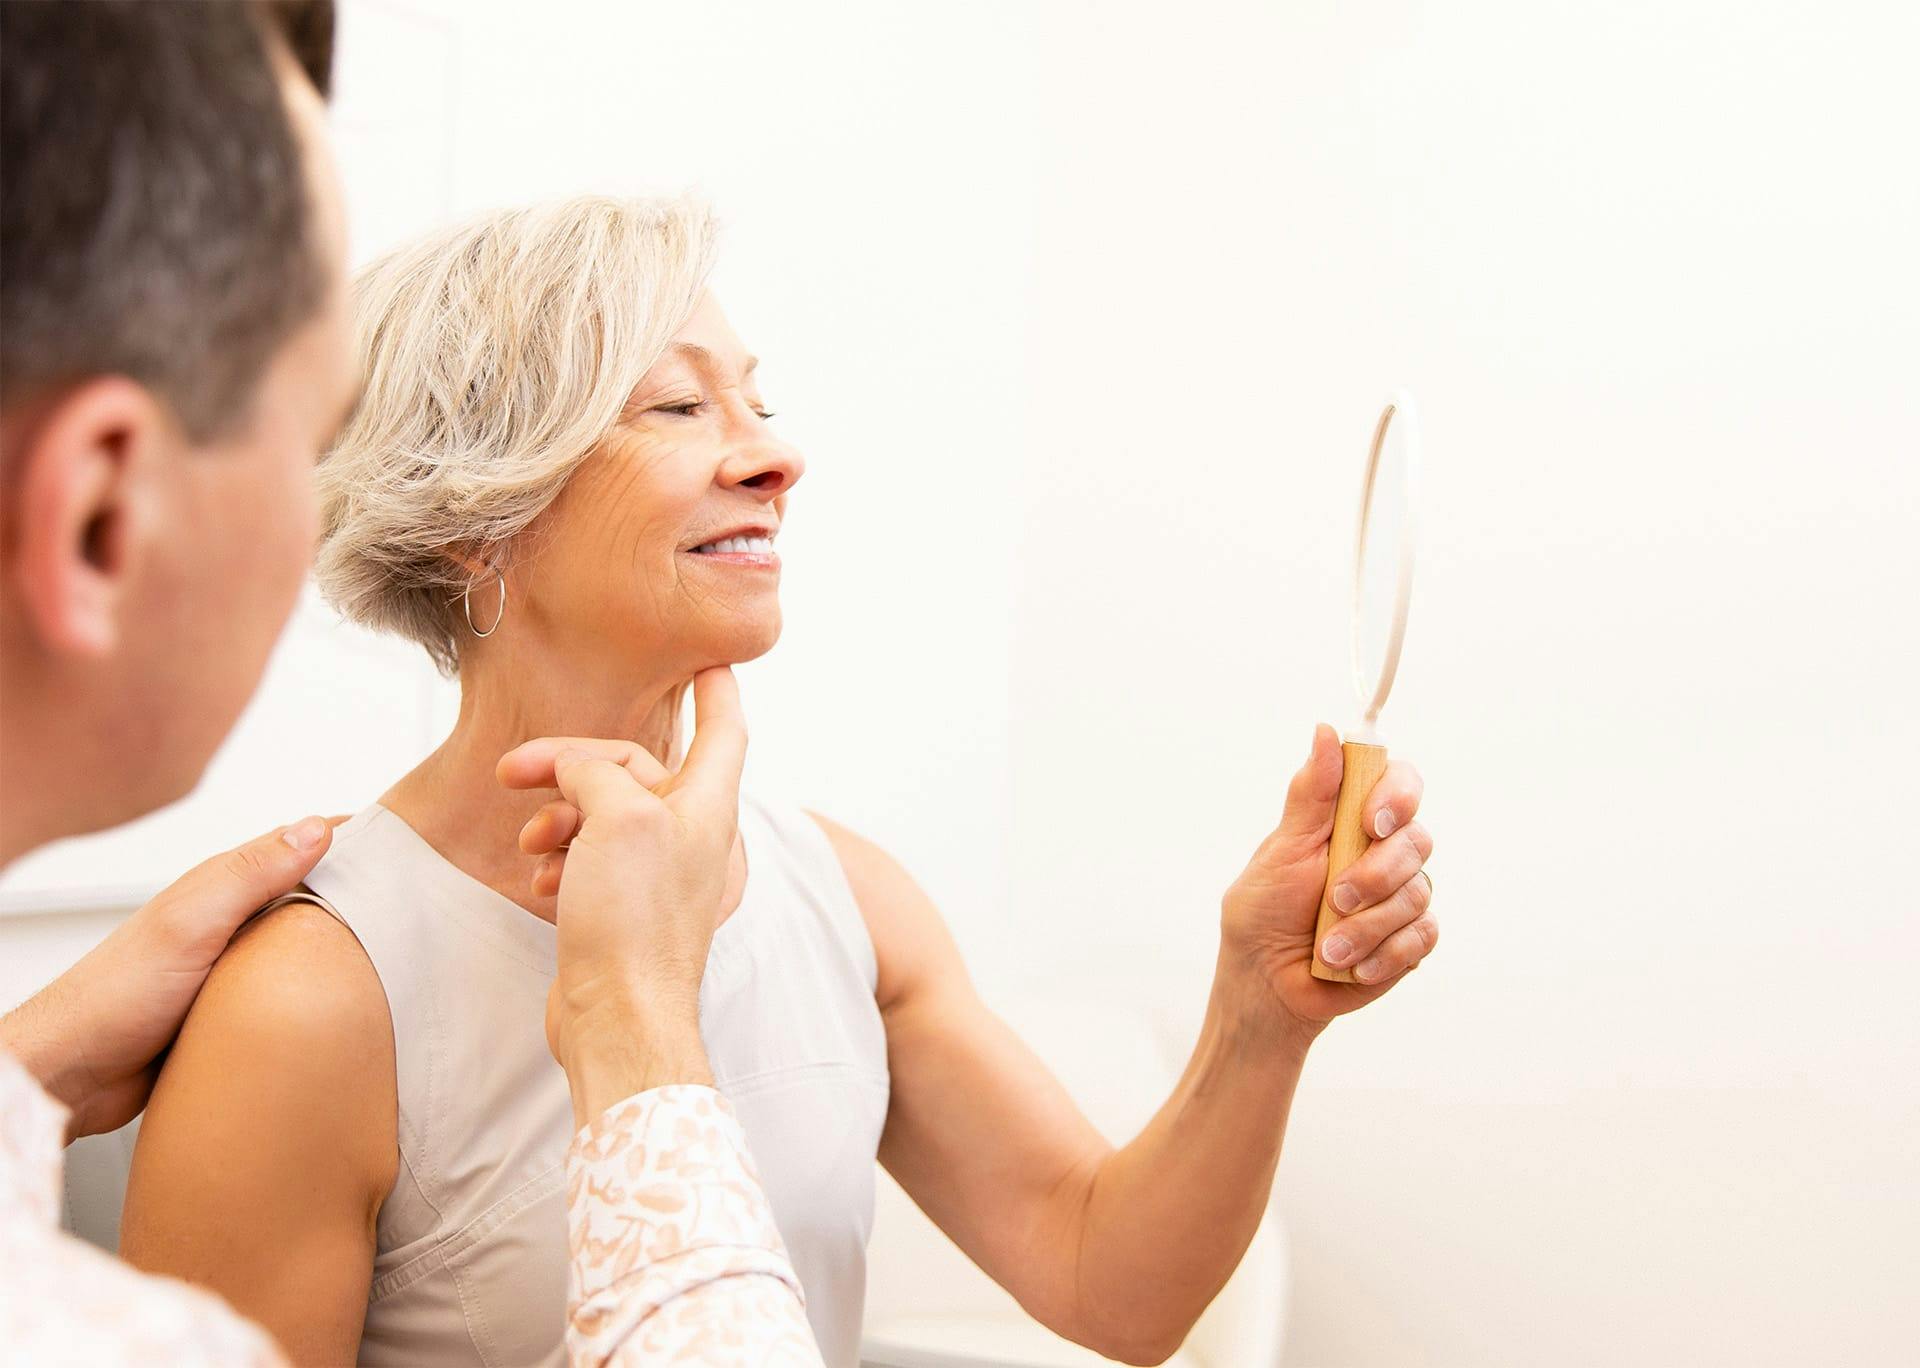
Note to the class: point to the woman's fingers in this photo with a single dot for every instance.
(1354, 938)
(529, 765)
(550, 828)
(1400, 951)
(1394, 799)
(1384, 867)
(1308, 814)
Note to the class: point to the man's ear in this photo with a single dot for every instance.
(79, 512)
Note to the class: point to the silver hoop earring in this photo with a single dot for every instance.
(466, 601)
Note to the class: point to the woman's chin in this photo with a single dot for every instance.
(746, 640)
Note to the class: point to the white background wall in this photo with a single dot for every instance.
(1082, 313)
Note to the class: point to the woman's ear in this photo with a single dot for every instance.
(79, 511)
(471, 560)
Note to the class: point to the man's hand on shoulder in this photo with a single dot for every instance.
(92, 1036)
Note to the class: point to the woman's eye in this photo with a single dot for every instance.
(686, 408)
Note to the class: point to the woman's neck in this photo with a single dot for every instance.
(452, 798)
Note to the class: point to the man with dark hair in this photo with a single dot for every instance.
(305, 27)
(174, 355)
(196, 255)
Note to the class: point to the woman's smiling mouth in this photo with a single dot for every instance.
(749, 549)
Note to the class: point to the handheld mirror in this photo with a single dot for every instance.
(1382, 589)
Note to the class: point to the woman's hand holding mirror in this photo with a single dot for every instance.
(1268, 916)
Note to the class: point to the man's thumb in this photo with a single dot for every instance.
(226, 890)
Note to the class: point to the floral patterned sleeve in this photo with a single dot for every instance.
(64, 1302)
(675, 1255)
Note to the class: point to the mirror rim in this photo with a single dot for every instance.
(1373, 694)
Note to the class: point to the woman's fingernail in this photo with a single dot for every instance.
(306, 833)
(1384, 824)
(1368, 971)
(1345, 899)
(1335, 949)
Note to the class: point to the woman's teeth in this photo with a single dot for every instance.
(756, 546)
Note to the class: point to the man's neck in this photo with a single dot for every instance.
(50, 783)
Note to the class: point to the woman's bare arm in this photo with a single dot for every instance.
(1115, 1249)
(269, 1144)
(979, 1132)
(1123, 1249)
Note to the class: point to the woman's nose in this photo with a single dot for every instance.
(766, 467)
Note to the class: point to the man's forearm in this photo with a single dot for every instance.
(674, 1249)
(628, 1044)
(675, 1256)
(29, 1033)
(1167, 1217)
(606, 1072)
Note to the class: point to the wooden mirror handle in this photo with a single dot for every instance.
(1364, 766)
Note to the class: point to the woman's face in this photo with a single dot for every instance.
(659, 553)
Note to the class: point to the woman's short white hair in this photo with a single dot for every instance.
(496, 357)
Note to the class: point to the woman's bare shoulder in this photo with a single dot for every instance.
(271, 1139)
(290, 1040)
(881, 887)
(297, 975)
(912, 946)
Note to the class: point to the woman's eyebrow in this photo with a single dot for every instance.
(704, 356)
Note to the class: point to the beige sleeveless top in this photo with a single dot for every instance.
(472, 1259)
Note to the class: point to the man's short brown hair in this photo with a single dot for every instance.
(154, 214)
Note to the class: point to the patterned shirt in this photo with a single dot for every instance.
(675, 1258)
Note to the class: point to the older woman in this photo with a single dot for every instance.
(563, 484)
